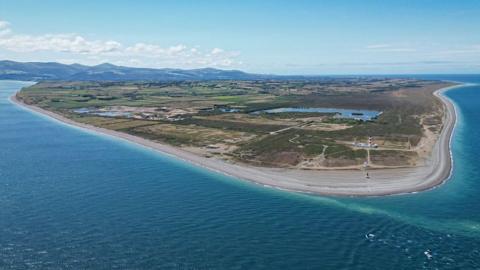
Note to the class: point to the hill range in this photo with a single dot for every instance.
(40, 71)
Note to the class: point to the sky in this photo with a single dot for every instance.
(278, 37)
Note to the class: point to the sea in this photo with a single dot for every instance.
(73, 199)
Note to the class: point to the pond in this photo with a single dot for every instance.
(102, 112)
(364, 115)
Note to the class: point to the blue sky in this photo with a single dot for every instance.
(284, 37)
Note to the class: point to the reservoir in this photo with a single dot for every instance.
(364, 115)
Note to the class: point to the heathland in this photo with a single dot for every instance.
(386, 123)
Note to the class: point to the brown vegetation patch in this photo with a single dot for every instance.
(393, 158)
(281, 158)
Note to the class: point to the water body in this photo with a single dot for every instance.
(364, 115)
(102, 113)
(71, 199)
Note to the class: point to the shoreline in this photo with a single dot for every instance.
(437, 170)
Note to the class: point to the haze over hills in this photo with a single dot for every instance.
(35, 71)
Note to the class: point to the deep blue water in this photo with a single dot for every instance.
(70, 199)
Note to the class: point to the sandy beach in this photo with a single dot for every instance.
(437, 168)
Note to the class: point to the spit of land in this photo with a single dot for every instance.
(342, 136)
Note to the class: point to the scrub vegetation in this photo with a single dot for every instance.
(217, 119)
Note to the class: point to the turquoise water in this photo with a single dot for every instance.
(70, 199)
(364, 115)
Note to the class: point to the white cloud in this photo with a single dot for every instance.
(216, 51)
(177, 48)
(153, 50)
(464, 50)
(378, 46)
(4, 24)
(4, 28)
(389, 48)
(190, 57)
(139, 54)
(60, 42)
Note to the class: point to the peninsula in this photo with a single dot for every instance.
(338, 136)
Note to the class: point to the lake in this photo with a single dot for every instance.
(364, 115)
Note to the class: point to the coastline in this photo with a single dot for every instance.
(437, 170)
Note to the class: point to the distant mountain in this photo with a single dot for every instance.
(35, 71)
(38, 71)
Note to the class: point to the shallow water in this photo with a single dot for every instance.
(71, 199)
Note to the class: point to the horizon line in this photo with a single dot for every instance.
(241, 70)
